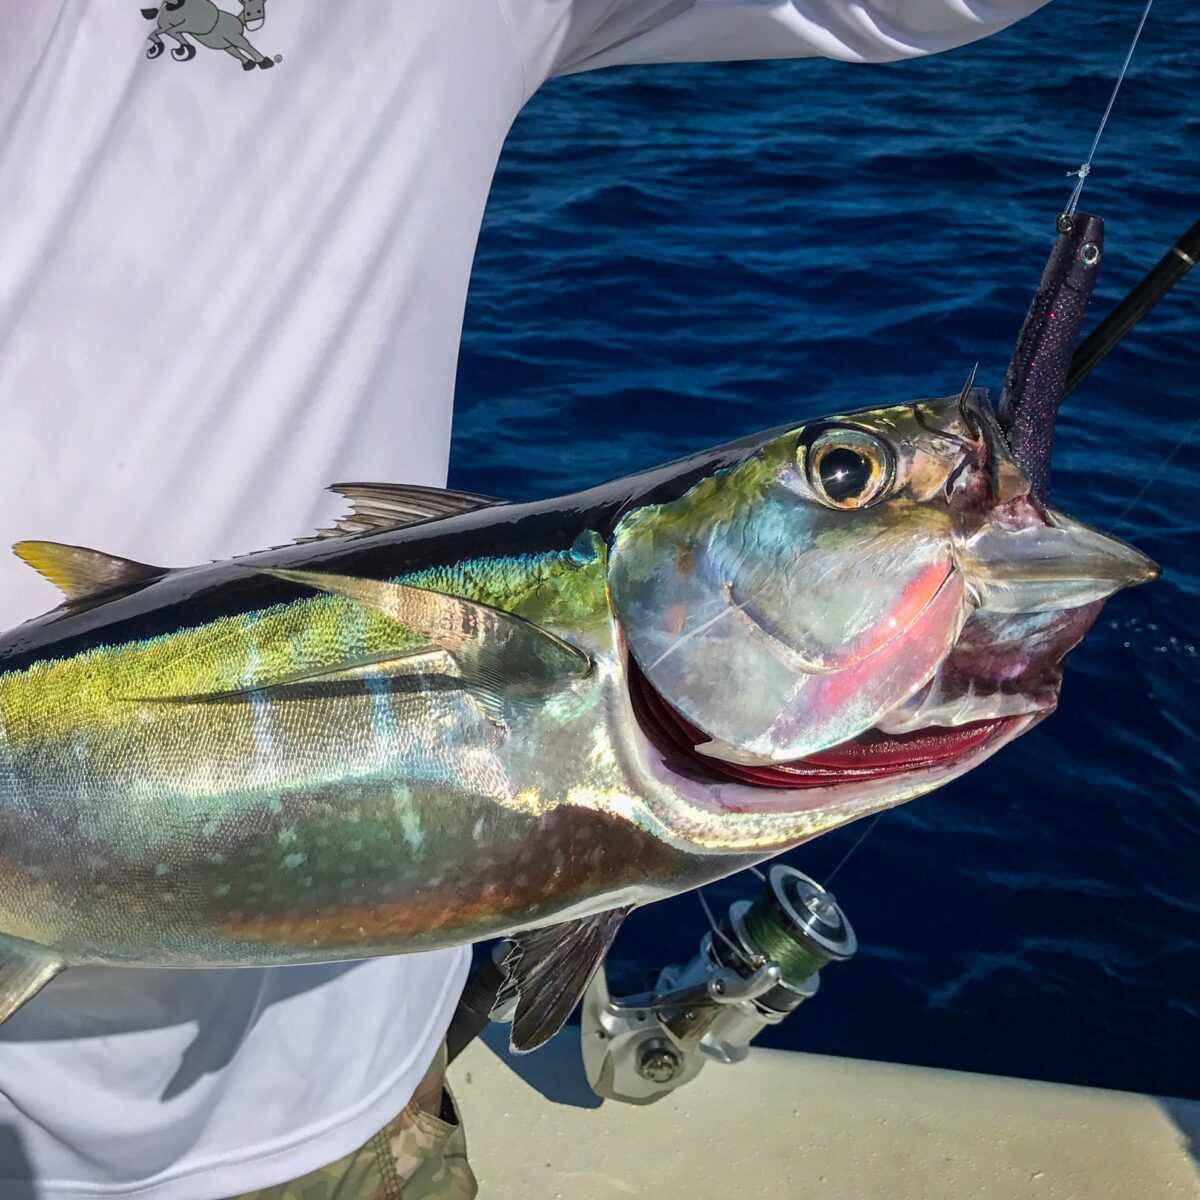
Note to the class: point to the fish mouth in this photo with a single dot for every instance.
(873, 755)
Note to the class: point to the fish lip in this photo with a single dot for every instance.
(871, 757)
(1060, 563)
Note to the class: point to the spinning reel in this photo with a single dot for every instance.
(755, 967)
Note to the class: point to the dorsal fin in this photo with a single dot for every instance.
(82, 574)
(379, 506)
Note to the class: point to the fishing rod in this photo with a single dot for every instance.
(1157, 282)
(1169, 270)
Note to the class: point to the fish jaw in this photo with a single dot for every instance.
(719, 810)
(1029, 559)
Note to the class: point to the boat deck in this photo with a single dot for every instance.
(805, 1125)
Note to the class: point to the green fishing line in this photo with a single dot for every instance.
(767, 933)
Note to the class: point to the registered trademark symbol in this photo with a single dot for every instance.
(279, 58)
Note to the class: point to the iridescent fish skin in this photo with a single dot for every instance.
(227, 766)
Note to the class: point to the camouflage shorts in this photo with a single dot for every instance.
(421, 1155)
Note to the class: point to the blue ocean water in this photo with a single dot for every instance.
(674, 256)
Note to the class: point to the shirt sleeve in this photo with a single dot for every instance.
(562, 37)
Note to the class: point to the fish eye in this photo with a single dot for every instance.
(848, 468)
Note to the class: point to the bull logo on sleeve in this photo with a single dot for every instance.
(200, 22)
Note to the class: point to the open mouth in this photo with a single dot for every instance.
(870, 756)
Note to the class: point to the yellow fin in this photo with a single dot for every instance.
(83, 574)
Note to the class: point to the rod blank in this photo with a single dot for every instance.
(1161, 278)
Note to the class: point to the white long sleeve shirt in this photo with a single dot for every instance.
(233, 265)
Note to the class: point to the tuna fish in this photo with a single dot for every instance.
(452, 719)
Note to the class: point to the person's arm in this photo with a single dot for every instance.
(558, 37)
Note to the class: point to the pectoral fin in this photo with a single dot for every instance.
(501, 656)
(550, 968)
(358, 673)
(24, 970)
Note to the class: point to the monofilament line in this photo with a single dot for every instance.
(1153, 477)
(1086, 169)
(717, 931)
(862, 837)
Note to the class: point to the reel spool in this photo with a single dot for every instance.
(757, 966)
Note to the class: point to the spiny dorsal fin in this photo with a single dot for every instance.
(551, 967)
(82, 574)
(379, 506)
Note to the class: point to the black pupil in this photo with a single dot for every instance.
(845, 474)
